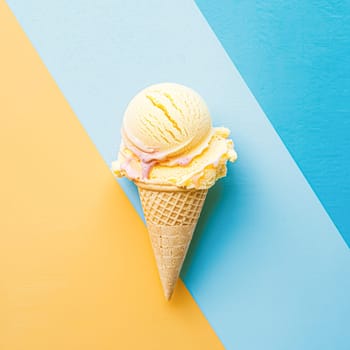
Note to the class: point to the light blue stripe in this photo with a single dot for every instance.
(267, 266)
(294, 56)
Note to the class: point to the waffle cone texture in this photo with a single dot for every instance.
(171, 215)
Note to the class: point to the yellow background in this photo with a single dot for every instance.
(76, 266)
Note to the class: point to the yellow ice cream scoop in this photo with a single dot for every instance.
(168, 138)
(164, 120)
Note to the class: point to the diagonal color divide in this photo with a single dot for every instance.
(294, 57)
(267, 266)
(76, 267)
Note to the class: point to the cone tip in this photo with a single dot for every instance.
(168, 293)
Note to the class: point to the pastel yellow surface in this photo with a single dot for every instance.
(76, 266)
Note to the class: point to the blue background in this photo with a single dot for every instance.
(267, 266)
(294, 56)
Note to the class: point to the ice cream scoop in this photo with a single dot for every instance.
(171, 151)
(168, 138)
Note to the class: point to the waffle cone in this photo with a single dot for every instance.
(171, 215)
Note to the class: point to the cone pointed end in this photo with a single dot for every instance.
(168, 293)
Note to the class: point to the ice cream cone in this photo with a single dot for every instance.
(168, 138)
(171, 215)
